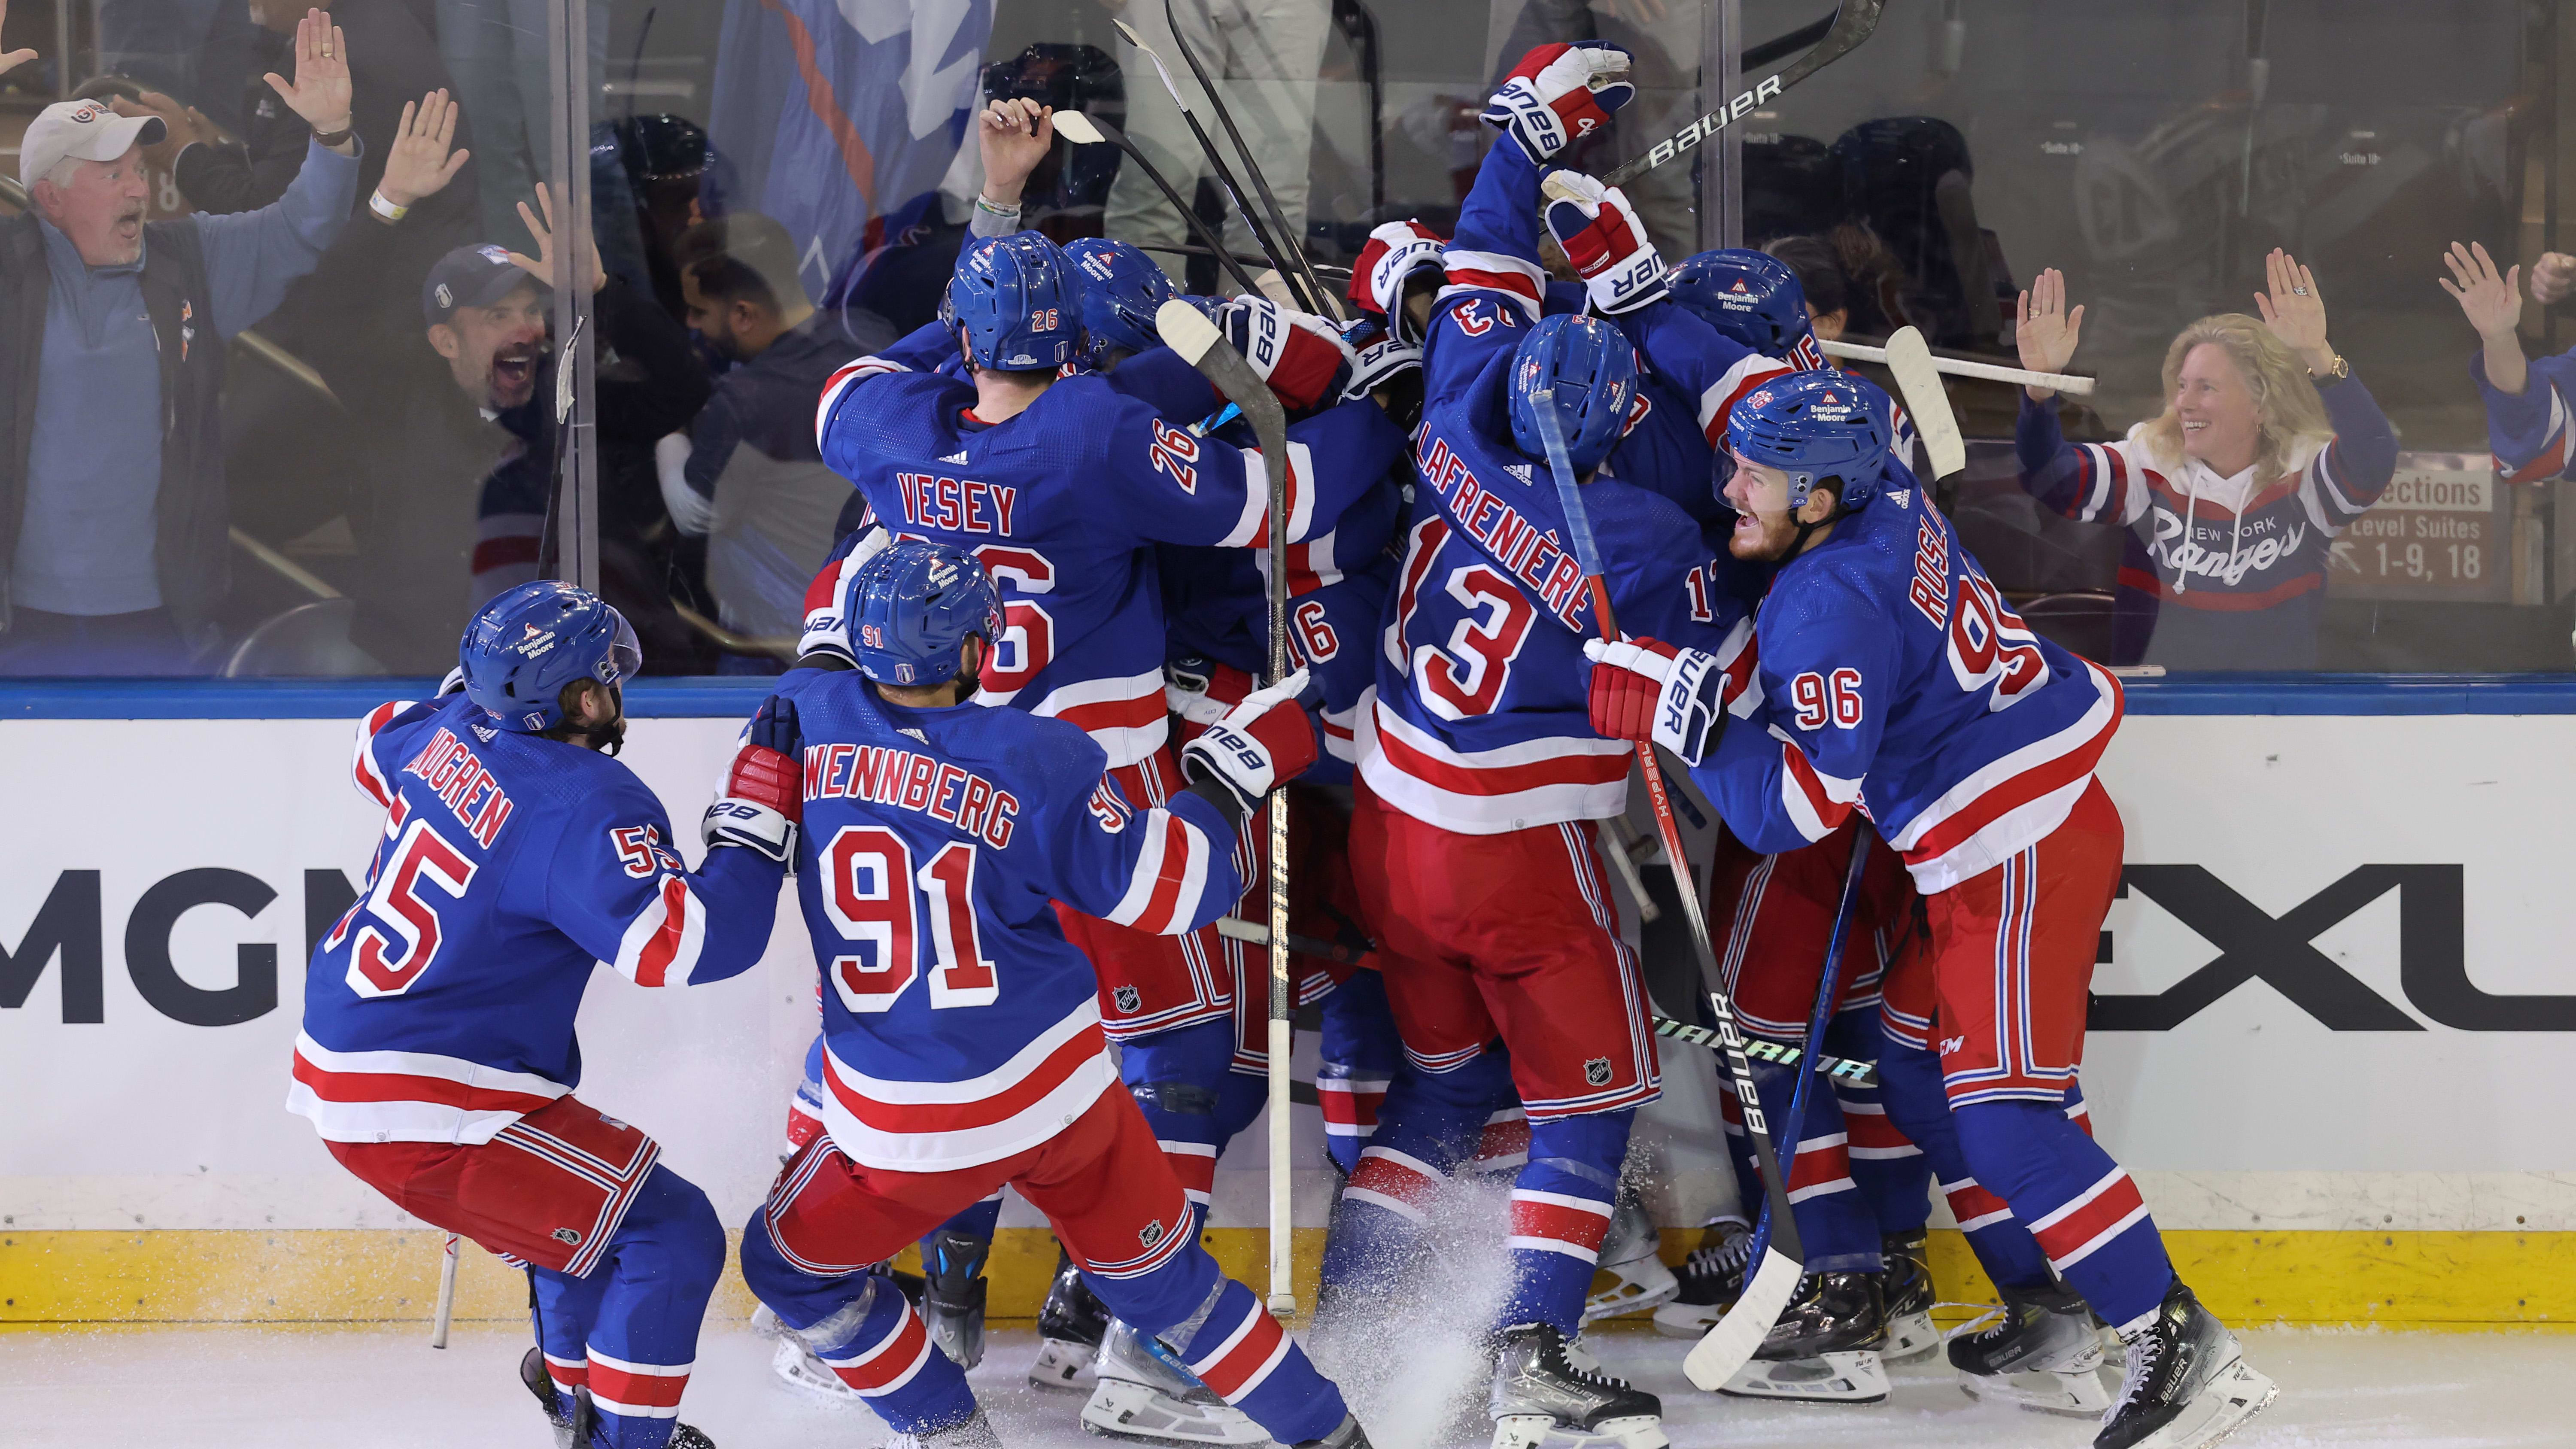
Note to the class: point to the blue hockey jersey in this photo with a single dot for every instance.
(1059, 504)
(440, 1006)
(959, 1025)
(1479, 722)
(1892, 677)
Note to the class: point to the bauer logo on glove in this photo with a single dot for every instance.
(1559, 94)
(1257, 746)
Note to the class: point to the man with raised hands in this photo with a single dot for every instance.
(1894, 680)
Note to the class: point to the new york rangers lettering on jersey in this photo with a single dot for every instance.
(440, 1006)
(1894, 679)
(959, 1025)
(1057, 503)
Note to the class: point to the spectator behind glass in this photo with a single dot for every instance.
(747, 476)
(2234, 495)
(2527, 426)
(1820, 277)
(113, 527)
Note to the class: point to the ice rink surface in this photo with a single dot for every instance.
(218, 1388)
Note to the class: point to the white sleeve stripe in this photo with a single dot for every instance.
(842, 381)
(1301, 491)
(1256, 502)
(1499, 272)
(1149, 870)
(2100, 496)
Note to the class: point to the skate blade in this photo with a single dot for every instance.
(2233, 1395)
(2077, 1393)
(1853, 1377)
(1065, 1366)
(1909, 1336)
(1120, 1409)
(1688, 1320)
(1540, 1431)
(1653, 1287)
(804, 1373)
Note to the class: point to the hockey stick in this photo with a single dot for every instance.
(1224, 174)
(1828, 995)
(1085, 130)
(1841, 1069)
(1196, 340)
(1324, 302)
(1853, 23)
(1728, 1346)
(446, 1294)
(2065, 382)
(1928, 401)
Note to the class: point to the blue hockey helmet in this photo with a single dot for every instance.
(1592, 370)
(911, 608)
(1121, 288)
(1017, 298)
(528, 643)
(1751, 297)
(1812, 426)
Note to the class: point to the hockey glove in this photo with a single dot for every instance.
(1604, 240)
(1382, 363)
(1257, 746)
(1400, 256)
(763, 797)
(1303, 359)
(1560, 94)
(1646, 690)
(826, 633)
(1201, 691)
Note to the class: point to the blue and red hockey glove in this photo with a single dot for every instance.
(1300, 355)
(1643, 689)
(1255, 747)
(1605, 241)
(1400, 256)
(1560, 94)
(763, 799)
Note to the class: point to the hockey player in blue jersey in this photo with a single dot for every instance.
(1893, 679)
(963, 1040)
(1473, 834)
(437, 1057)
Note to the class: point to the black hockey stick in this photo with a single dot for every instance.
(1197, 341)
(1087, 130)
(1853, 23)
(1730, 1345)
(1287, 240)
(1841, 1069)
(1224, 174)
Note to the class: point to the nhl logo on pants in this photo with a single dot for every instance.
(1597, 1071)
(1150, 1234)
(566, 1235)
(1127, 997)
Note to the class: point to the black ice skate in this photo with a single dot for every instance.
(1711, 1279)
(1548, 1395)
(1825, 1347)
(1070, 1325)
(1638, 1279)
(2040, 1352)
(1907, 1288)
(972, 1432)
(952, 1294)
(2187, 1384)
(1144, 1393)
(1346, 1435)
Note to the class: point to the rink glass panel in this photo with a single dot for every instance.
(2154, 153)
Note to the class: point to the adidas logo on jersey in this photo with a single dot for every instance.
(1519, 470)
(957, 457)
(916, 734)
(1901, 497)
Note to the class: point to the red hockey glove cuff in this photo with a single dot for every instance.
(763, 799)
(1258, 745)
(1643, 689)
(1604, 239)
(1303, 359)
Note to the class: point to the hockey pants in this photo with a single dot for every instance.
(628, 1329)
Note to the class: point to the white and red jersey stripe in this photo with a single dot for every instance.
(1474, 272)
(1123, 714)
(1485, 792)
(1399, 1182)
(879, 1364)
(2083, 1227)
(1556, 1222)
(915, 1126)
(2009, 803)
(636, 1390)
(1973, 1206)
(402, 1096)
(1718, 399)
(1822, 1166)
(1241, 1358)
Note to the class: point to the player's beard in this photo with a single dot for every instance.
(1768, 540)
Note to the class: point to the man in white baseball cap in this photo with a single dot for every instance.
(114, 550)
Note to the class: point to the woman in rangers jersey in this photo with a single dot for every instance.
(2266, 450)
(1892, 680)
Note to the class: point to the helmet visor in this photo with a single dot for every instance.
(625, 656)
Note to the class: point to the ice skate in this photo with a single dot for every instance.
(1825, 1347)
(952, 1294)
(2039, 1353)
(1346, 1435)
(2187, 1386)
(580, 1427)
(972, 1432)
(532, 1372)
(1711, 1279)
(1145, 1394)
(802, 1371)
(1908, 1294)
(1549, 1395)
(1070, 1325)
(1639, 1279)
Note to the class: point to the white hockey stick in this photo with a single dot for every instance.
(2065, 382)
(446, 1293)
(1920, 381)
(1197, 341)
